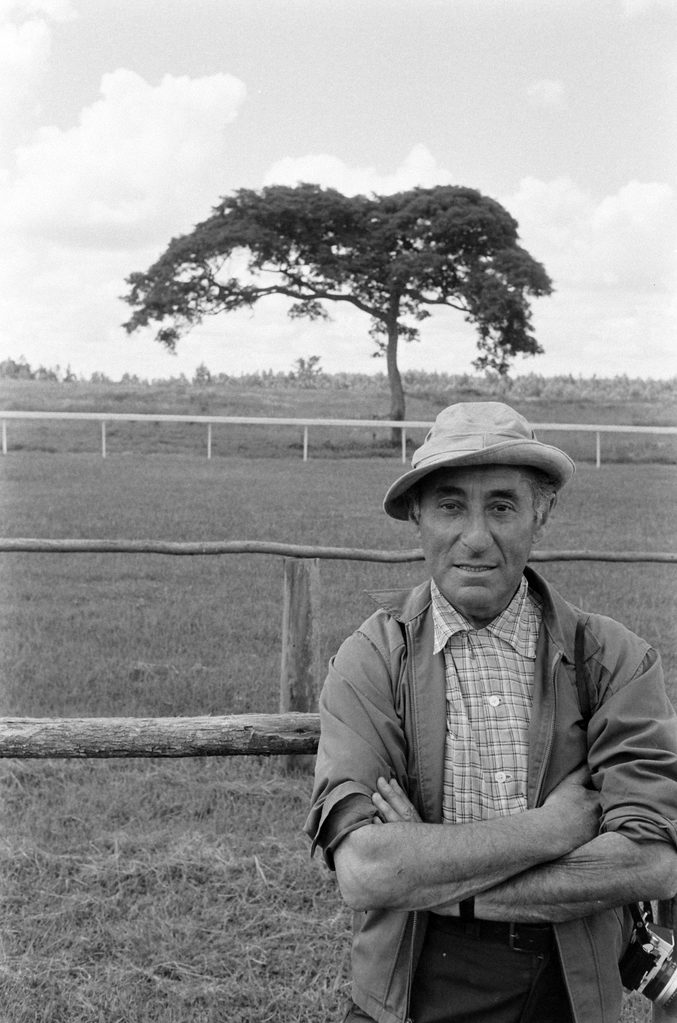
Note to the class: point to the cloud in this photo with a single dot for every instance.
(142, 161)
(25, 48)
(419, 167)
(624, 240)
(83, 207)
(636, 8)
(612, 261)
(547, 92)
(53, 10)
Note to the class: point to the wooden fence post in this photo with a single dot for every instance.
(301, 671)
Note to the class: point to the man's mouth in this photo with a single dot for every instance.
(475, 568)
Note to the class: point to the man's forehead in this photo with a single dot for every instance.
(488, 477)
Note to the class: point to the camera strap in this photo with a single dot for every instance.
(585, 686)
(583, 681)
(641, 916)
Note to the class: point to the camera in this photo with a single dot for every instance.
(648, 966)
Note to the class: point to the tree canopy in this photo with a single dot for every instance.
(394, 257)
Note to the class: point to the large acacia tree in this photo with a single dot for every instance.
(395, 257)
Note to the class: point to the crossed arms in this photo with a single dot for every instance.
(547, 864)
(550, 863)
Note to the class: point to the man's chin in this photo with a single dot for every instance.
(478, 603)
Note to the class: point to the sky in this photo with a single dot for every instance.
(123, 122)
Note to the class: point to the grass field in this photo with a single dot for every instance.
(182, 892)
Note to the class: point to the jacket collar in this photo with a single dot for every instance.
(559, 616)
(404, 605)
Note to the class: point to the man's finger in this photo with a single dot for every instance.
(400, 807)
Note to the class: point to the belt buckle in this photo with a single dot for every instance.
(532, 939)
(514, 940)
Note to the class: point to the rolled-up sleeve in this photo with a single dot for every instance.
(633, 750)
(361, 739)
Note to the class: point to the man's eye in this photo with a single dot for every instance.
(503, 508)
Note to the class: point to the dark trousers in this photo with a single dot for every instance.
(464, 978)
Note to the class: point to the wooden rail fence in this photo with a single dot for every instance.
(294, 732)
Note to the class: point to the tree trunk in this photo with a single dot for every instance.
(394, 380)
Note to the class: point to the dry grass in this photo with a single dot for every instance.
(168, 892)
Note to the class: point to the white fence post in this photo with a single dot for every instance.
(404, 445)
(4, 437)
(103, 438)
(305, 443)
(598, 449)
(209, 441)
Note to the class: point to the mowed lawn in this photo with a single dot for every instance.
(183, 891)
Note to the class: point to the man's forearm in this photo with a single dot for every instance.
(423, 866)
(611, 870)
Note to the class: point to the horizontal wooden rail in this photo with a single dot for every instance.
(46, 545)
(65, 546)
(233, 735)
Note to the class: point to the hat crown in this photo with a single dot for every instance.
(478, 433)
(472, 426)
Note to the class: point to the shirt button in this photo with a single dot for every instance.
(494, 701)
(501, 776)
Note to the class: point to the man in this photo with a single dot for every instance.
(486, 839)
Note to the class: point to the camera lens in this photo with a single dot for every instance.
(662, 989)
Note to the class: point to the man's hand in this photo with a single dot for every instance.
(392, 803)
(572, 806)
(576, 806)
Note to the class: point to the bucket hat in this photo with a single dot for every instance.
(478, 433)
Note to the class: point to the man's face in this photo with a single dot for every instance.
(477, 526)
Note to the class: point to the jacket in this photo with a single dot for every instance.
(383, 712)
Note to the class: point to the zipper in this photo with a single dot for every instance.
(539, 789)
(410, 978)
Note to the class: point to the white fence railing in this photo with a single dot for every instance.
(389, 424)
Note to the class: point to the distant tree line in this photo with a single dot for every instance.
(20, 369)
(308, 373)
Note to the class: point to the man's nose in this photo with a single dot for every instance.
(476, 535)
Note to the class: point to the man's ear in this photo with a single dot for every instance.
(543, 519)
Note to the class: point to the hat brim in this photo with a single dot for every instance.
(528, 453)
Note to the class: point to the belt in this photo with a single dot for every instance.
(534, 938)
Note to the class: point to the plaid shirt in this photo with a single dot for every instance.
(490, 677)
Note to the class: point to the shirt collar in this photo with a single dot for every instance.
(517, 624)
